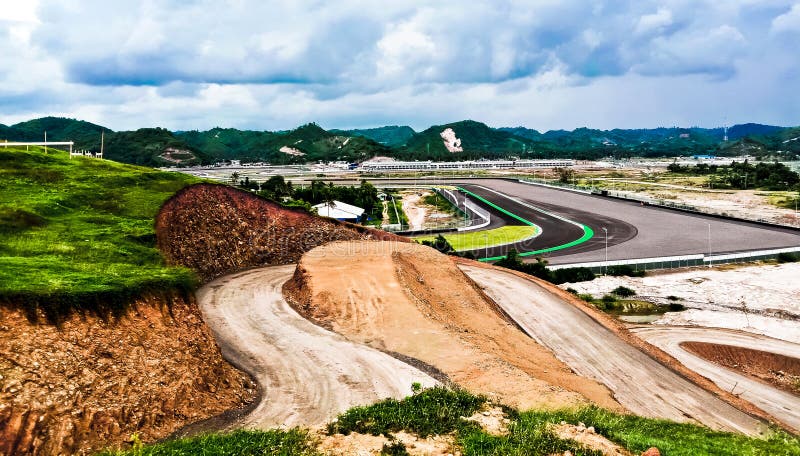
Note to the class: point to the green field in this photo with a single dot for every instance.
(440, 411)
(77, 234)
(472, 240)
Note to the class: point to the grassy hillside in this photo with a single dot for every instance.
(441, 411)
(392, 135)
(311, 143)
(477, 139)
(85, 134)
(152, 147)
(78, 234)
(161, 147)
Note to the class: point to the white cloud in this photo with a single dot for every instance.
(275, 64)
(654, 23)
(787, 22)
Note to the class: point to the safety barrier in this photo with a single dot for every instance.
(683, 261)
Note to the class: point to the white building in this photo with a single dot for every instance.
(462, 165)
(339, 211)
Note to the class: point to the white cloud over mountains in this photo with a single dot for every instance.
(275, 64)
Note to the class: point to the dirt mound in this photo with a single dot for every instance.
(410, 300)
(778, 370)
(92, 383)
(215, 229)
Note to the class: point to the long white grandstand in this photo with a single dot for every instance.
(476, 164)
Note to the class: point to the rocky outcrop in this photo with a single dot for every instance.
(215, 229)
(93, 383)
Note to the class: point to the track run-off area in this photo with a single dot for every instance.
(307, 374)
(772, 400)
(638, 382)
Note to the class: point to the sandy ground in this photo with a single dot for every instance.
(421, 215)
(748, 204)
(778, 403)
(410, 299)
(639, 383)
(307, 374)
(718, 298)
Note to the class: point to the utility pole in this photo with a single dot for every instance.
(606, 262)
(709, 242)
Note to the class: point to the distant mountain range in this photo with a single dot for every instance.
(462, 140)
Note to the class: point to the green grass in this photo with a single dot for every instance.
(432, 411)
(396, 203)
(472, 240)
(440, 203)
(441, 411)
(293, 442)
(78, 234)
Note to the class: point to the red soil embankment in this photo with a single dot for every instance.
(215, 229)
(411, 300)
(778, 370)
(92, 383)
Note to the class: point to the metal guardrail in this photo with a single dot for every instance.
(683, 261)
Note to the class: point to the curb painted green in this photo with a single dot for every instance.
(588, 233)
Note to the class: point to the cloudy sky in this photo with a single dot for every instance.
(544, 64)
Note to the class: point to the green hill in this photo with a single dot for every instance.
(85, 134)
(152, 147)
(307, 143)
(391, 136)
(77, 234)
(477, 141)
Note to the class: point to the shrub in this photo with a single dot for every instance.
(788, 257)
(623, 270)
(623, 292)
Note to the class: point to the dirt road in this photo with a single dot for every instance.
(308, 374)
(778, 403)
(639, 383)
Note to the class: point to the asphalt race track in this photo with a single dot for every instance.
(634, 231)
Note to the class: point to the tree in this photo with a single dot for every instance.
(565, 175)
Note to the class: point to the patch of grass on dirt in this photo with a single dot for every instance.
(480, 239)
(395, 210)
(293, 442)
(440, 411)
(637, 434)
(77, 234)
(439, 202)
(437, 410)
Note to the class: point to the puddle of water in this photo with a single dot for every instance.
(640, 318)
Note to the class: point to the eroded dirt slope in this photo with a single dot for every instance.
(410, 299)
(215, 229)
(93, 383)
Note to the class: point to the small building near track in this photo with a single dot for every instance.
(339, 211)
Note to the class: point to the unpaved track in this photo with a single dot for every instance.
(777, 403)
(308, 374)
(639, 383)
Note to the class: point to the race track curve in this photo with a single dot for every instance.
(307, 374)
(638, 382)
(777, 403)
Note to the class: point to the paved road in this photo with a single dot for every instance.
(308, 374)
(777, 403)
(639, 383)
(659, 232)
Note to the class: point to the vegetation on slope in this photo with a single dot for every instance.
(391, 136)
(146, 146)
(441, 411)
(77, 234)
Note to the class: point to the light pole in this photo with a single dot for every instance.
(486, 245)
(605, 230)
(709, 243)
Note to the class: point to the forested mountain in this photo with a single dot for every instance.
(462, 140)
(391, 135)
